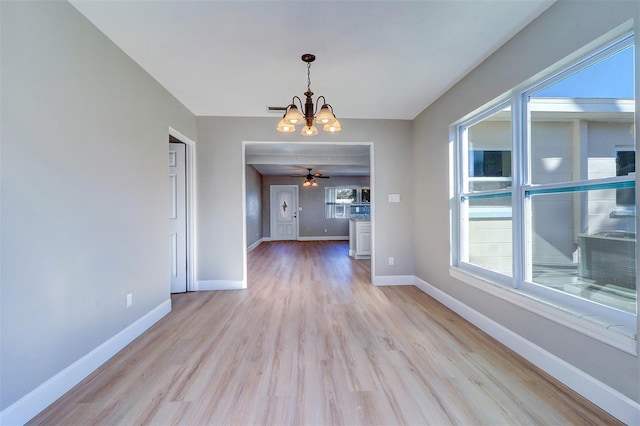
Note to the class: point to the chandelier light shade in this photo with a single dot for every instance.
(285, 128)
(332, 127)
(312, 115)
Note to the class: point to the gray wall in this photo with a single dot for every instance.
(311, 219)
(84, 191)
(253, 200)
(220, 168)
(564, 28)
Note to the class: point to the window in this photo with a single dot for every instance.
(338, 200)
(545, 188)
(486, 202)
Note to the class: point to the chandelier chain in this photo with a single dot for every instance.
(308, 76)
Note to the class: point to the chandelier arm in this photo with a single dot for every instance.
(324, 102)
(293, 102)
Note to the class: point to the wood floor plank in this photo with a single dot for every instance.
(312, 342)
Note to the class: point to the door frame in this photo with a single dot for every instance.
(190, 175)
(296, 211)
(372, 185)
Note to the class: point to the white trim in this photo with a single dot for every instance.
(372, 210)
(210, 285)
(243, 187)
(325, 238)
(44, 395)
(607, 398)
(254, 245)
(611, 334)
(359, 256)
(392, 280)
(191, 206)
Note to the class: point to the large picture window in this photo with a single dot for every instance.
(545, 188)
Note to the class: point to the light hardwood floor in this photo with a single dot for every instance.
(313, 342)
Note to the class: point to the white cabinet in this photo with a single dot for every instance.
(359, 239)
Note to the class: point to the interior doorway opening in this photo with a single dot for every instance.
(281, 163)
(183, 265)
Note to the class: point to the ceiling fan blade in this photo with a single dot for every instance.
(323, 177)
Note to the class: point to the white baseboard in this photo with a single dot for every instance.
(324, 238)
(48, 392)
(254, 245)
(210, 285)
(607, 398)
(384, 280)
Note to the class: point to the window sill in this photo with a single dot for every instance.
(620, 337)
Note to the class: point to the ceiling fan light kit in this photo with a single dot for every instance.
(323, 116)
(310, 179)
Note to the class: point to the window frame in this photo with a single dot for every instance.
(520, 284)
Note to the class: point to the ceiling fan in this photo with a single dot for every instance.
(310, 178)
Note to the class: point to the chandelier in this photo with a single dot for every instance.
(324, 116)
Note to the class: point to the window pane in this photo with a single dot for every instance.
(580, 123)
(489, 153)
(346, 195)
(490, 233)
(580, 247)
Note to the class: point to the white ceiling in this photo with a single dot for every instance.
(294, 158)
(375, 59)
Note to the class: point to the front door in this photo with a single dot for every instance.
(284, 212)
(177, 217)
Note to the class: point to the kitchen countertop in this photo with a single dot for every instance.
(360, 218)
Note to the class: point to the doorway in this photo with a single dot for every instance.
(286, 159)
(181, 172)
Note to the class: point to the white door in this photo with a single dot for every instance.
(284, 212)
(177, 217)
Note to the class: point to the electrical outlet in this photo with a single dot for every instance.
(129, 299)
(325, 230)
(392, 260)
